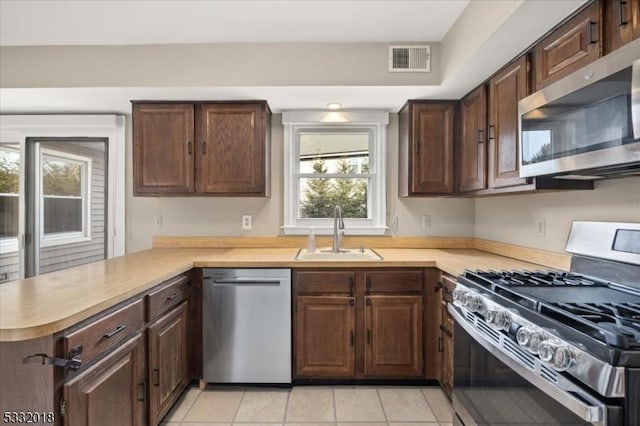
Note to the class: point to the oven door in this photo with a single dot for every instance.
(490, 388)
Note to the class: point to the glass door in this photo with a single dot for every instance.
(66, 203)
(53, 204)
(10, 202)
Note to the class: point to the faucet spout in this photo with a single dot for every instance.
(338, 229)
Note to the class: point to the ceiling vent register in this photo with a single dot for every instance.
(410, 58)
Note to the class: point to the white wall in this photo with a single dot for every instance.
(512, 219)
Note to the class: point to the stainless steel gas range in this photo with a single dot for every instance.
(552, 347)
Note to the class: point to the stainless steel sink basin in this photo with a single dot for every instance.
(325, 254)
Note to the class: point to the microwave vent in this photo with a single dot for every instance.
(410, 58)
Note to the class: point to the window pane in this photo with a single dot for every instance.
(62, 215)
(61, 176)
(9, 188)
(319, 196)
(334, 152)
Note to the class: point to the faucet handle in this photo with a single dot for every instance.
(361, 249)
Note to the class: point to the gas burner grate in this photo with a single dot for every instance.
(617, 324)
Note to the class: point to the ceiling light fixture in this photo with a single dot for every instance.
(334, 105)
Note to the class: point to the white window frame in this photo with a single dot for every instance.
(372, 121)
(60, 238)
(11, 244)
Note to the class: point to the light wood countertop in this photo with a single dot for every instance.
(49, 303)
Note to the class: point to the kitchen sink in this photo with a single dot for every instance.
(325, 254)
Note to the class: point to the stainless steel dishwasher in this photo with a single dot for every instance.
(246, 326)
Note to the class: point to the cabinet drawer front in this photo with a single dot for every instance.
(322, 282)
(393, 281)
(105, 333)
(167, 296)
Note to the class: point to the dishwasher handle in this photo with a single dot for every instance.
(241, 281)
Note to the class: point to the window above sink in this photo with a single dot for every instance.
(334, 158)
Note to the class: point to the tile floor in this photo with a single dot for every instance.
(312, 406)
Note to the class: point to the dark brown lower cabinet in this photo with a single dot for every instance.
(168, 370)
(325, 336)
(111, 392)
(446, 378)
(359, 324)
(393, 336)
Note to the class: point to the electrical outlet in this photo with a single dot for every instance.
(426, 221)
(246, 221)
(157, 222)
(394, 221)
(540, 228)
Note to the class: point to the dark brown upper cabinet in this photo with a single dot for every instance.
(505, 90)
(621, 23)
(163, 137)
(473, 147)
(426, 133)
(571, 46)
(202, 148)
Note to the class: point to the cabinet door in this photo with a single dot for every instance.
(168, 372)
(570, 47)
(163, 149)
(431, 149)
(635, 19)
(232, 145)
(325, 336)
(393, 336)
(472, 141)
(112, 392)
(618, 23)
(446, 380)
(505, 90)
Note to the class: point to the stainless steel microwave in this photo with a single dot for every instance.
(586, 124)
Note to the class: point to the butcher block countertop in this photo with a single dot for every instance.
(49, 303)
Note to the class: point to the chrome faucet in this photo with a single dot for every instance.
(338, 229)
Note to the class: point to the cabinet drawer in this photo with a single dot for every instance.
(105, 333)
(167, 296)
(393, 281)
(321, 282)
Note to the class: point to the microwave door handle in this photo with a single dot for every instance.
(635, 98)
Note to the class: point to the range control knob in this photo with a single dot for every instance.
(459, 296)
(559, 355)
(530, 338)
(472, 302)
(563, 359)
(499, 319)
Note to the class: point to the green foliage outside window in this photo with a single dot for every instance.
(322, 194)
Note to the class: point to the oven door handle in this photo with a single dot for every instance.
(590, 412)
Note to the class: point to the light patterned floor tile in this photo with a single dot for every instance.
(405, 405)
(313, 404)
(214, 406)
(182, 406)
(262, 406)
(358, 405)
(439, 404)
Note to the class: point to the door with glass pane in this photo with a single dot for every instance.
(66, 203)
(54, 192)
(9, 211)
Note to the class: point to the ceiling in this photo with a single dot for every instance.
(97, 22)
(53, 22)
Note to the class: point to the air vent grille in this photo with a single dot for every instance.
(518, 353)
(410, 58)
(548, 374)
